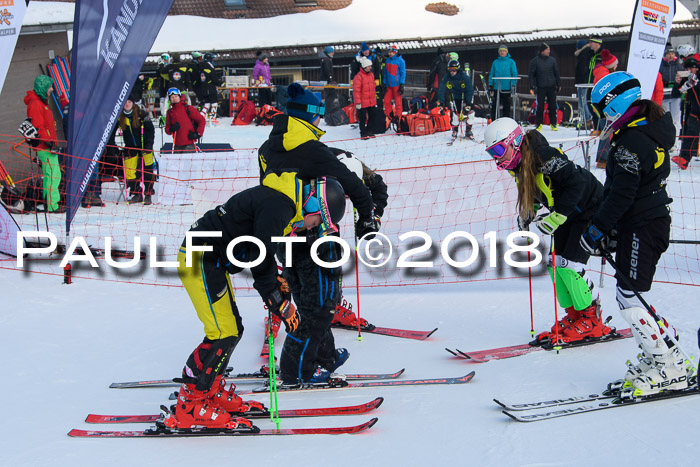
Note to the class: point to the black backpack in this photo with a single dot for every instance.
(336, 118)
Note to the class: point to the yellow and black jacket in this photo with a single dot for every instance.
(264, 211)
(294, 145)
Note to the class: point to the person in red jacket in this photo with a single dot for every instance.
(658, 94)
(38, 111)
(183, 121)
(364, 94)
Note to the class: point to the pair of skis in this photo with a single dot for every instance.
(499, 353)
(254, 377)
(574, 405)
(161, 431)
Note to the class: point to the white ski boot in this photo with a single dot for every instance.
(661, 365)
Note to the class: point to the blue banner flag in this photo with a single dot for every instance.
(111, 40)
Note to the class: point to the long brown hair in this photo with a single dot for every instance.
(527, 176)
(651, 110)
(135, 118)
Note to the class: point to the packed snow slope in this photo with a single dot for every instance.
(64, 344)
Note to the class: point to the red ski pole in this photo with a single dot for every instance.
(357, 282)
(556, 342)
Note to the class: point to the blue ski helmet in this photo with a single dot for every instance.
(614, 94)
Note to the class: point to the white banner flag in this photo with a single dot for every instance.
(651, 25)
(8, 233)
(11, 17)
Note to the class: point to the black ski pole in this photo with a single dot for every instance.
(626, 281)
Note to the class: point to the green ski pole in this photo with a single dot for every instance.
(274, 409)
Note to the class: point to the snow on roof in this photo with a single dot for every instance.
(379, 21)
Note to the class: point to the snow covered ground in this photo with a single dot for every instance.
(64, 344)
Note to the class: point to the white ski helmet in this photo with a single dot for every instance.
(352, 163)
(501, 135)
(685, 50)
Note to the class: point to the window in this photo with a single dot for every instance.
(235, 4)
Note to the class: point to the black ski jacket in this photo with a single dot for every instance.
(636, 174)
(260, 211)
(574, 189)
(543, 72)
(294, 144)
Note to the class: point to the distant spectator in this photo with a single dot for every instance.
(587, 56)
(545, 83)
(183, 122)
(138, 135)
(608, 64)
(364, 95)
(456, 93)
(691, 125)
(502, 67)
(37, 101)
(658, 94)
(262, 78)
(669, 68)
(204, 79)
(355, 66)
(326, 57)
(178, 74)
(438, 70)
(394, 78)
(164, 81)
(137, 89)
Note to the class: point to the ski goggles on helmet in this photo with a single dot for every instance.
(319, 110)
(499, 150)
(453, 68)
(316, 202)
(174, 91)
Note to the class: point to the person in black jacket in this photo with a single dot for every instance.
(547, 178)
(281, 205)
(138, 135)
(344, 316)
(438, 70)
(669, 68)
(456, 92)
(309, 354)
(204, 79)
(587, 56)
(691, 125)
(635, 212)
(545, 82)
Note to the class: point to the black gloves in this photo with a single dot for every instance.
(401, 89)
(174, 127)
(597, 243)
(193, 135)
(367, 225)
(279, 302)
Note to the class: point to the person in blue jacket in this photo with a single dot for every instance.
(394, 77)
(502, 67)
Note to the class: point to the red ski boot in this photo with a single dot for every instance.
(231, 402)
(572, 315)
(193, 408)
(589, 325)
(346, 317)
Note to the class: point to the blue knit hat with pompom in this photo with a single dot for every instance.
(303, 103)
